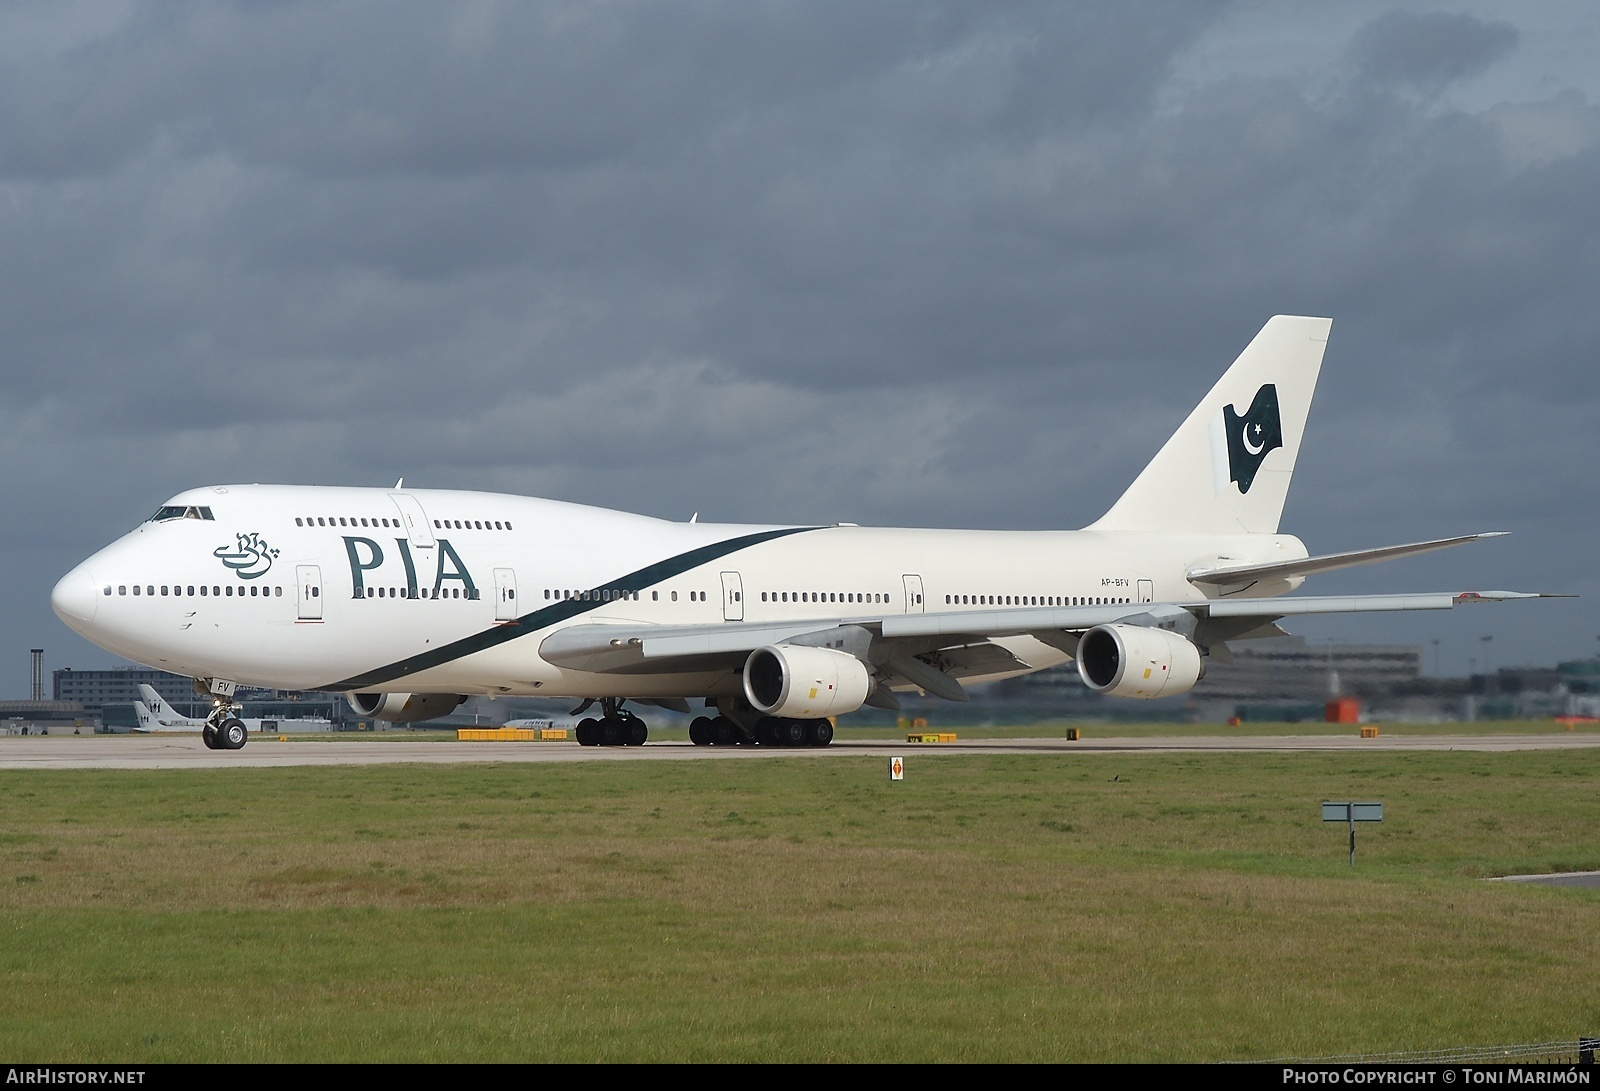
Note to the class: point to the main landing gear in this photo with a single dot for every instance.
(769, 731)
(616, 727)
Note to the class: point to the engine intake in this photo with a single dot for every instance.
(404, 708)
(794, 682)
(1133, 661)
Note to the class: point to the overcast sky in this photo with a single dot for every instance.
(914, 264)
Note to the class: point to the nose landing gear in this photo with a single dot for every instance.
(223, 729)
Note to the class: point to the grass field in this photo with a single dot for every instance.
(1087, 907)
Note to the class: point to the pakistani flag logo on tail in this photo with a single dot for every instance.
(1252, 435)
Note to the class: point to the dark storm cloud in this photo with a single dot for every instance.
(1428, 51)
(890, 263)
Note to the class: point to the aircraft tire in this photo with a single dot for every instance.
(232, 735)
(700, 731)
(819, 733)
(723, 732)
(637, 732)
(586, 731)
(208, 735)
(767, 732)
(611, 732)
(791, 732)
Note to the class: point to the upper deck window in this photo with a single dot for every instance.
(178, 511)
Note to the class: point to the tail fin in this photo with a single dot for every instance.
(157, 704)
(1226, 469)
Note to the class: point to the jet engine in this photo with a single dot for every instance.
(794, 682)
(404, 708)
(1133, 661)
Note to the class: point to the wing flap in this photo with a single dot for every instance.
(1291, 606)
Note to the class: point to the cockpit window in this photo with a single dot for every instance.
(178, 511)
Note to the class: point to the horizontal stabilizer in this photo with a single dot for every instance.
(1234, 575)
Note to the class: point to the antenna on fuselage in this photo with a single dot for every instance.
(400, 484)
(695, 518)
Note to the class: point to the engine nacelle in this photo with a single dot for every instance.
(404, 708)
(794, 682)
(1133, 661)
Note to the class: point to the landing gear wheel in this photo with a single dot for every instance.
(636, 732)
(767, 732)
(232, 735)
(610, 732)
(722, 732)
(587, 731)
(700, 731)
(819, 733)
(208, 735)
(791, 732)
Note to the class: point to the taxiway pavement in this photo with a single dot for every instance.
(188, 752)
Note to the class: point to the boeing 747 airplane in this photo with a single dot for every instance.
(409, 600)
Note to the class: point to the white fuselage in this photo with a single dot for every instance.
(309, 587)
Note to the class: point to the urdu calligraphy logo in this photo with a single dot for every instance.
(251, 557)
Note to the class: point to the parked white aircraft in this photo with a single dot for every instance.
(408, 600)
(155, 715)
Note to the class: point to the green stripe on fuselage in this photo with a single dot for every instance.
(640, 580)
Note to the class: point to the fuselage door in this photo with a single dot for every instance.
(913, 594)
(308, 582)
(414, 518)
(505, 594)
(732, 597)
(1147, 591)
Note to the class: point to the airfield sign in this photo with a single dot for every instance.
(1351, 813)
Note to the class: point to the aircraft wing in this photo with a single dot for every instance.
(935, 650)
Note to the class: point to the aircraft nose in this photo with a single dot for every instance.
(75, 597)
